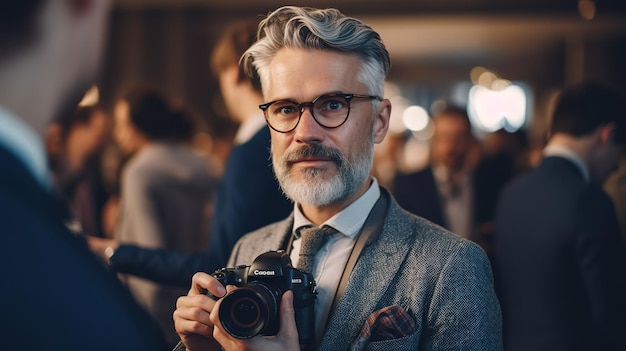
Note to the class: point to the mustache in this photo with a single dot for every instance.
(314, 150)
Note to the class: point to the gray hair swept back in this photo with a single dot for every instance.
(319, 29)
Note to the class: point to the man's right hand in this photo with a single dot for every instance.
(192, 315)
(198, 330)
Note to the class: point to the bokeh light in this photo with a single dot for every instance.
(493, 109)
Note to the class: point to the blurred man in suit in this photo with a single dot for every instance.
(407, 284)
(55, 294)
(560, 262)
(249, 196)
(444, 192)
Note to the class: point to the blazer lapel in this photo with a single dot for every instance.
(368, 282)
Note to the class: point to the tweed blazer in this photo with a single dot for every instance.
(442, 282)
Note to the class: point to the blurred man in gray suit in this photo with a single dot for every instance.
(386, 279)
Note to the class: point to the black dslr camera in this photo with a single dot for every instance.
(254, 308)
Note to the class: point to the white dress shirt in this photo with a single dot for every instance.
(249, 128)
(333, 256)
(25, 144)
(457, 208)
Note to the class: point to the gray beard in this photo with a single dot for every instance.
(315, 190)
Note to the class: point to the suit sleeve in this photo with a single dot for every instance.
(601, 257)
(464, 313)
(162, 265)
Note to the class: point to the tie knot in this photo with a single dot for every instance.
(312, 238)
(315, 231)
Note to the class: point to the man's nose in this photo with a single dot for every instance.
(308, 129)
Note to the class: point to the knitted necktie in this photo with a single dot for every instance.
(312, 239)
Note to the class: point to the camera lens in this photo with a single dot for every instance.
(248, 310)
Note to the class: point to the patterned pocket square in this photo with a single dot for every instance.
(388, 323)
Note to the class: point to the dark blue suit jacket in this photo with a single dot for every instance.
(248, 198)
(560, 263)
(417, 193)
(55, 294)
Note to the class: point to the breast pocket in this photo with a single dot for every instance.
(389, 328)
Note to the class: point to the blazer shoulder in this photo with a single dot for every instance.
(415, 231)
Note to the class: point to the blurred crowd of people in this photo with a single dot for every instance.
(156, 208)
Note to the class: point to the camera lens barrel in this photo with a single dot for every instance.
(251, 310)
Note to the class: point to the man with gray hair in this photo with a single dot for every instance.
(386, 279)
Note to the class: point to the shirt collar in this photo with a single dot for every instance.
(561, 151)
(350, 220)
(249, 128)
(25, 144)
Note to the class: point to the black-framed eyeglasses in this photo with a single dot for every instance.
(329, 110)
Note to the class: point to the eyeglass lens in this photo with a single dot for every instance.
(328, 110)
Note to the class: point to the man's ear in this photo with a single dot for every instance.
(381, 121)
